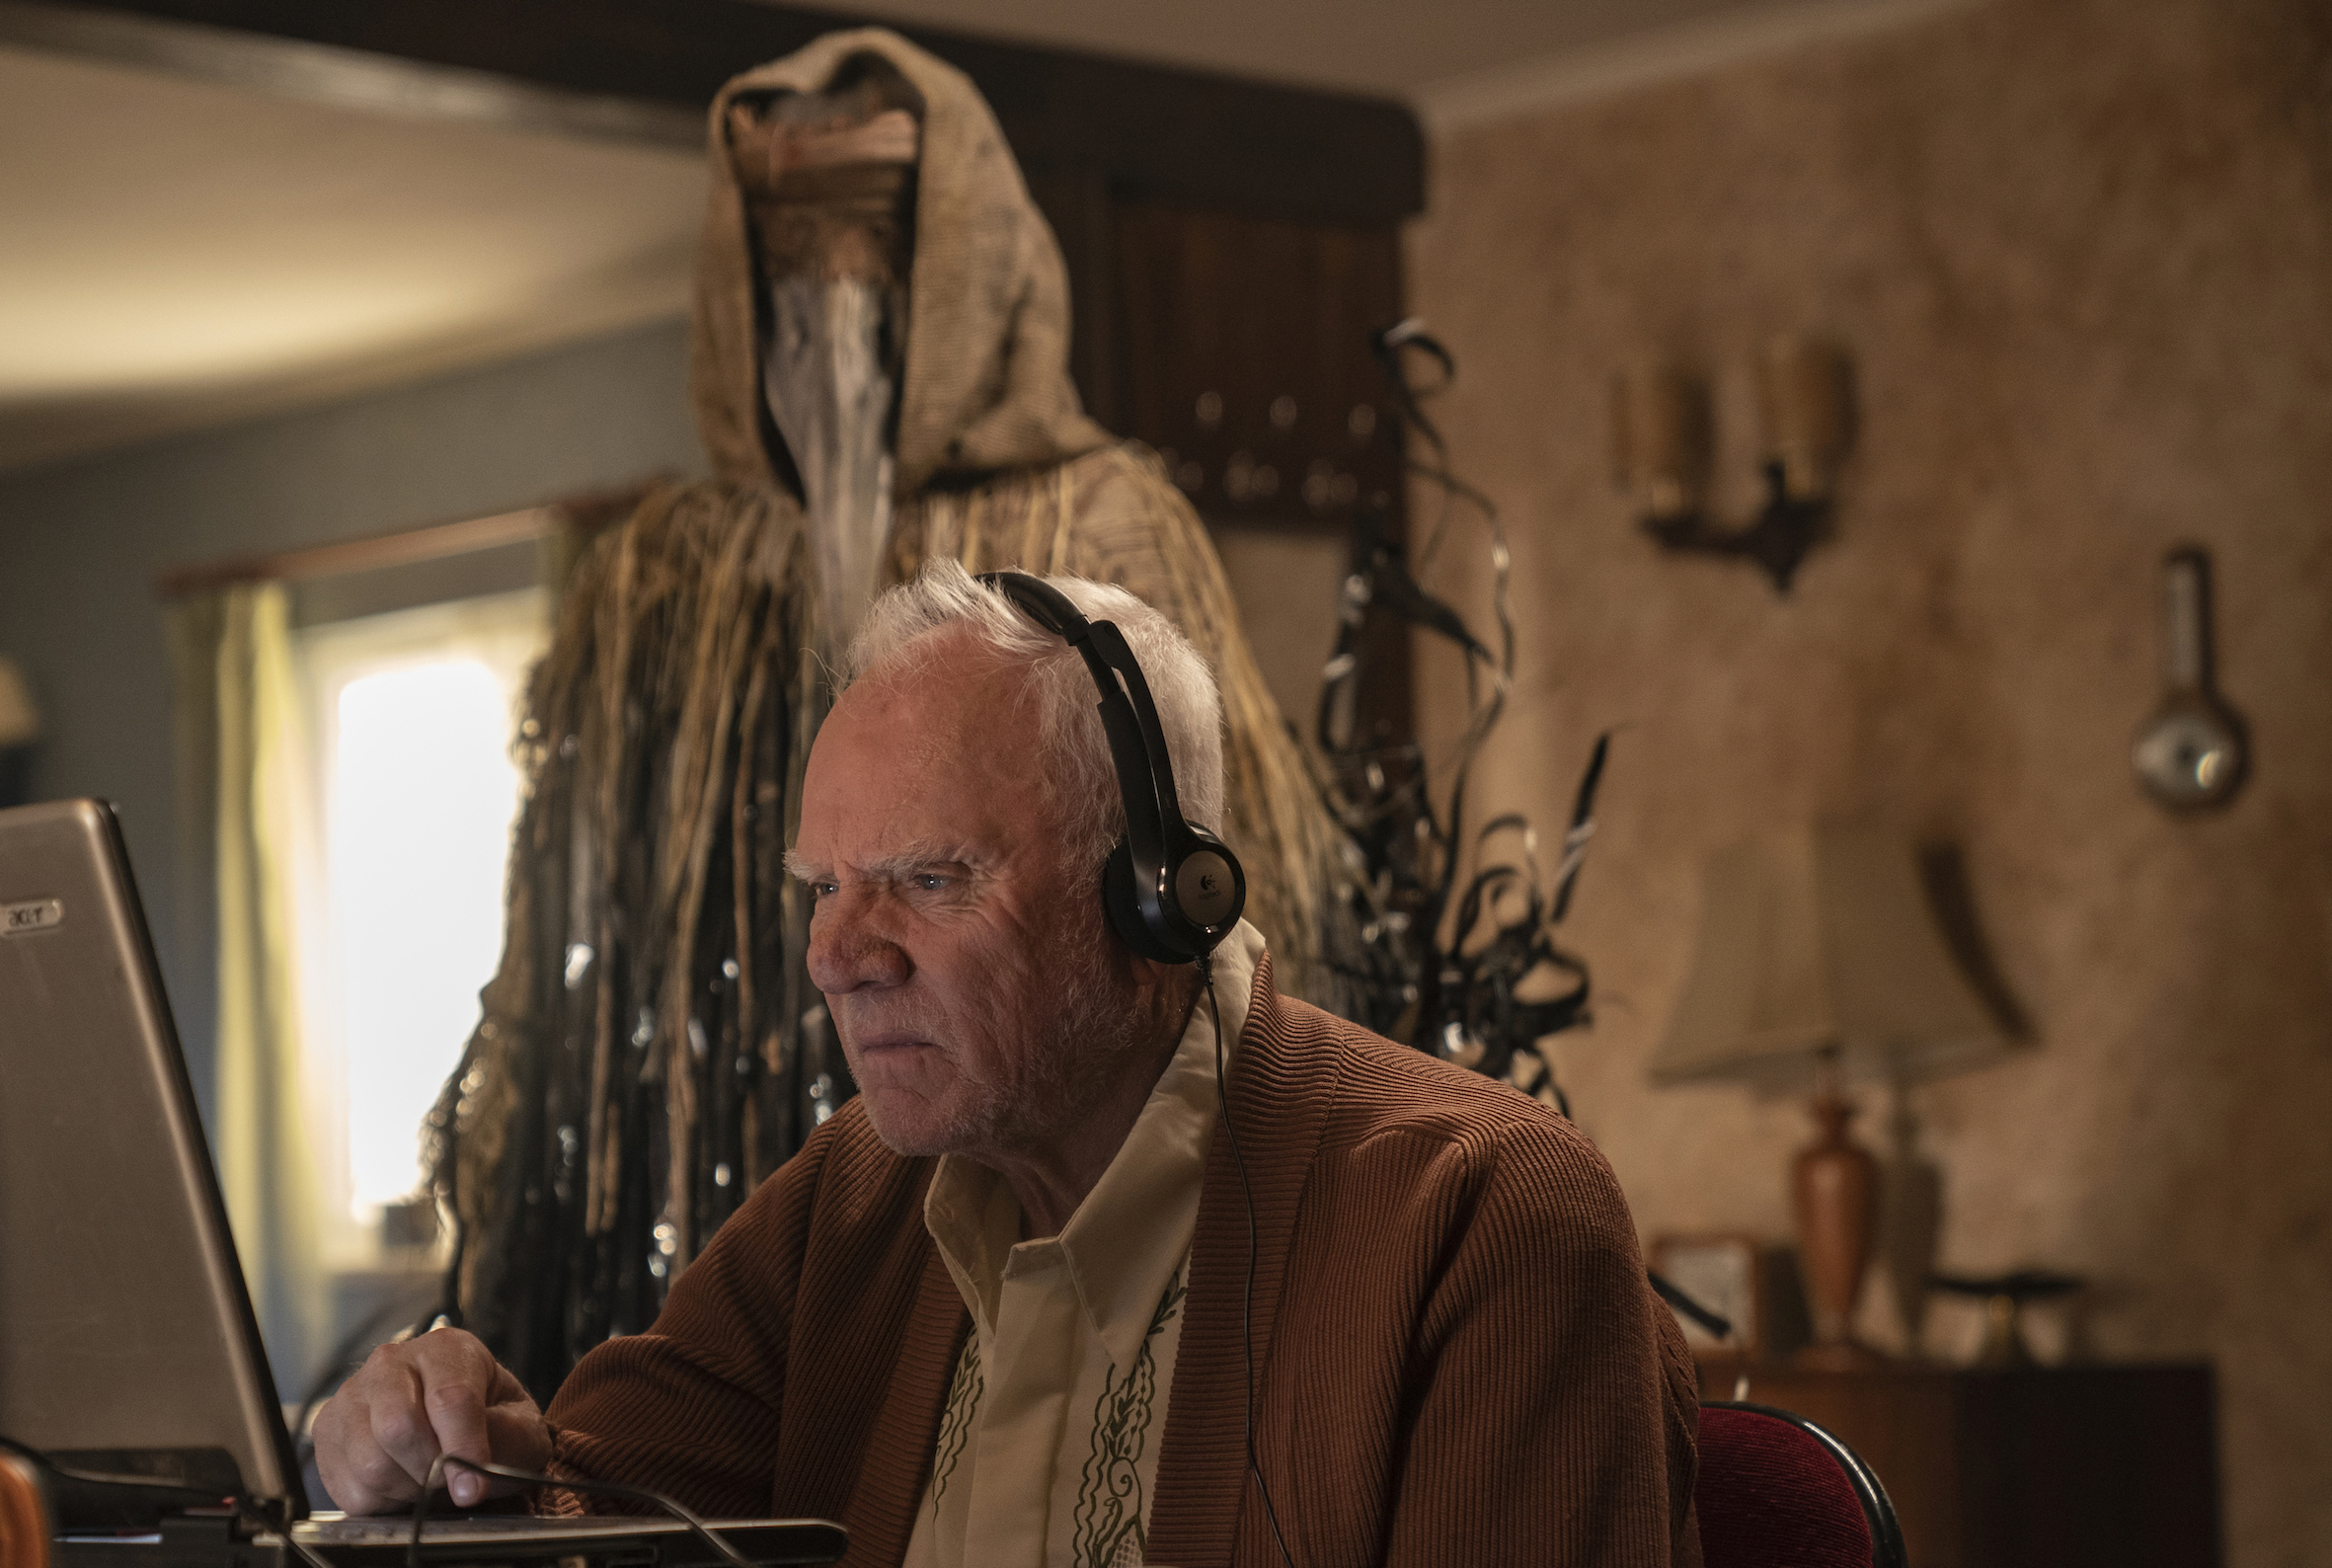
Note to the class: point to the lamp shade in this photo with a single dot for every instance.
(20, 721)
(1815, 942)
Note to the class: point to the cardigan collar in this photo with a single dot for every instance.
(1282, 1088)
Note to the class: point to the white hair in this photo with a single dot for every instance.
(896, 637)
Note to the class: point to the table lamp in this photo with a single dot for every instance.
(1820, 960)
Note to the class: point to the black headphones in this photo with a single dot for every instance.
(1172, 889)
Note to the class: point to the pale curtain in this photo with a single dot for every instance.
(240, 713)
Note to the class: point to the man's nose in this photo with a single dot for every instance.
(851, 947)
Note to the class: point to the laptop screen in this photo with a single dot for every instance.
(124, 1321)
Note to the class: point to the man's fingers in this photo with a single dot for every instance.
(457, 1419)
(380, 1436)
(458, 1377)
(362, 1476)
(517, 1437)
(508, 1390)
(344, 1447)
(402, 1427)
(520, 1437)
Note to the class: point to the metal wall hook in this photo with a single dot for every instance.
(2192, 753)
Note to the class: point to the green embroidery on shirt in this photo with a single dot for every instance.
(955, 1427)
(1108, 1519)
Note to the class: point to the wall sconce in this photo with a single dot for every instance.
(1662, 436)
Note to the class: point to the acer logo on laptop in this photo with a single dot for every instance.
(36, 915)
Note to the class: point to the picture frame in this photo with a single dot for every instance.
(1726, 1274)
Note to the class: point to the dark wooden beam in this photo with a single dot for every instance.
(644, 71)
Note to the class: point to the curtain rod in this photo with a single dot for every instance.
(589, 513)
(363, 554)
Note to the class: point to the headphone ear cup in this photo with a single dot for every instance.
(1125, 910)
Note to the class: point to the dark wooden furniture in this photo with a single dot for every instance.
(2035, 1467)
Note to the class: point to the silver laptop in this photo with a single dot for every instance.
(128, 1343)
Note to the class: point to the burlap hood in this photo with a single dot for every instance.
(987, 377)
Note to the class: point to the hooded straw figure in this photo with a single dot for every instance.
(880, 377)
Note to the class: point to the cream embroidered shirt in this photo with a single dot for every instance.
(1048, 1451)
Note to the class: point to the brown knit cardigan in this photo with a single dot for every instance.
(1458, 1359)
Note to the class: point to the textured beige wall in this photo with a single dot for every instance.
(2081, 252)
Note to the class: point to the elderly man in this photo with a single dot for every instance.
(1030, 1297)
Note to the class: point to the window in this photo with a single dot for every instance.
(412, 715)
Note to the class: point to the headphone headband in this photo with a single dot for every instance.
(1172, 889)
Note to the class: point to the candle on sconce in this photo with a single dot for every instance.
(1802, 400)
(1659, 436)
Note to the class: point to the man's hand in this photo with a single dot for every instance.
(437, 1394)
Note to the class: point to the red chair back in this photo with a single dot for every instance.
(1775, 1491)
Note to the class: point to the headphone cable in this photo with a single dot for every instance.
(1247, 1296)
(638, 1494)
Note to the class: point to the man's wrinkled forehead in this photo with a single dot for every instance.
(945, 697)
(944, 740)
(883, 734)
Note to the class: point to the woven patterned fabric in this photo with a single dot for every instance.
(1771, 1496)
(987, 356)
